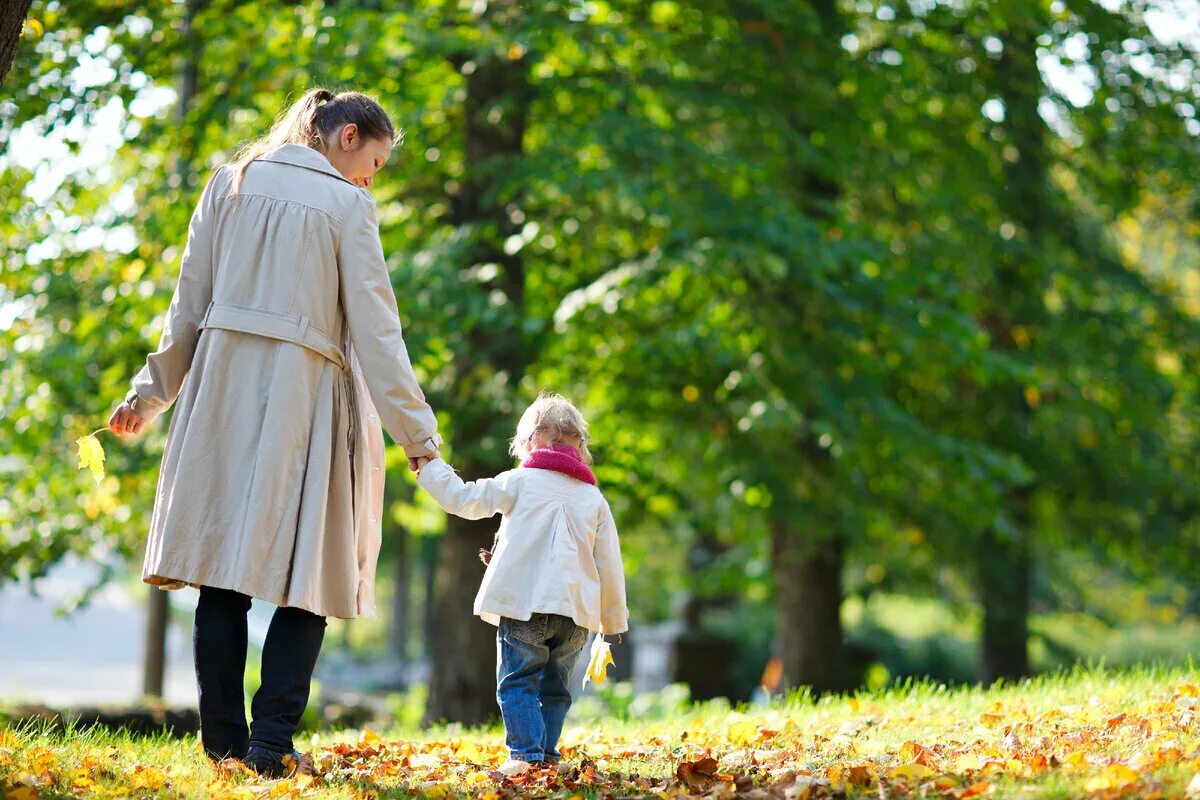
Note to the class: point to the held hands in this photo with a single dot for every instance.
(124, 421)
(415, 464)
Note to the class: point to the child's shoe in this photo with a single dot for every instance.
(514, 767)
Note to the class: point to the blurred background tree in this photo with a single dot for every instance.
(866, 301)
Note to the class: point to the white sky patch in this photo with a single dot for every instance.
(1175, 21)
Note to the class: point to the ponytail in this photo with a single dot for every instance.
(314, 121)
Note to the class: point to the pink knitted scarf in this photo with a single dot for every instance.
(561, 458)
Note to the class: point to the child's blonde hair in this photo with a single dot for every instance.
(553, 416)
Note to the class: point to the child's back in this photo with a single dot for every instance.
(555, 574)
(557, 550)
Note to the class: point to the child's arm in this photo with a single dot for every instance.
(470, 499)
(614, 615)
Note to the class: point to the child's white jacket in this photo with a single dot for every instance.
(557, 549)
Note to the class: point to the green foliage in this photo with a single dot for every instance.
(873, 272)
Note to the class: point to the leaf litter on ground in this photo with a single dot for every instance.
(1088, 733)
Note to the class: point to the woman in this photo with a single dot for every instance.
(282, 331)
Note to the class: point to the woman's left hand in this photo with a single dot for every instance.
(124, 421)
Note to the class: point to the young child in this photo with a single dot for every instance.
(554, 575)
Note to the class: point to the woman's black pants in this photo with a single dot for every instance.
(288, 658)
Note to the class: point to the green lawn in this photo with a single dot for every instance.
(1086, 733)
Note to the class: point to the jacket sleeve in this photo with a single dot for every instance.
(371, 313)
(470, 499)
(614, 614)
(158, 383)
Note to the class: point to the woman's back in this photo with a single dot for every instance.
(275, 241)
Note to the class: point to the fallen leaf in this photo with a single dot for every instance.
(913, 753)
(1114, 776)
(968, 762)
(911, 772)
(476, 778)
(699, 774)
(21, 786)
(1193, 788)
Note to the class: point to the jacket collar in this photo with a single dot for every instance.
(297, 155)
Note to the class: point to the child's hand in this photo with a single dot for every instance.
(415, 464)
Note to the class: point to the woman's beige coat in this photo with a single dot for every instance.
(282, 331)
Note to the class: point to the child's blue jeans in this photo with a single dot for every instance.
(534, 661)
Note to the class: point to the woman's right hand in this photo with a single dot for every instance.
(124, 421)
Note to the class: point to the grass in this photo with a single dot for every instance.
(1086, 732)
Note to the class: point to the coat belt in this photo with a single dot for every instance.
(274, 325)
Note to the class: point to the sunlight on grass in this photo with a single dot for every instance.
(1088, 732)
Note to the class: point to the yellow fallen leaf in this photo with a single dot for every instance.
(911, 772)
(370, 737)
(601, 657)
(21, 786)
(8, 738)
(1078, 760)
(476, 778)
(470, 753)
(91, 454)
(142, 777)
(741, 732)
(968, 762)
(1114, 776)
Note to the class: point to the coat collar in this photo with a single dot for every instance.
(297, 155)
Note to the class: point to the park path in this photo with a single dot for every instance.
(93, 656)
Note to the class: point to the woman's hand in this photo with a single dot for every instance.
(415, 464)
(125, 422)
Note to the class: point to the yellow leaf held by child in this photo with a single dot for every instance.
(601, 657)
(91, 454)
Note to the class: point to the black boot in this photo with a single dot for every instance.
(273, 764)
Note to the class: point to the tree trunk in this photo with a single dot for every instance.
(1005, 562)
(463, 682)
(402, 597)
(154, 663)
(808, 600)
(808, 566)
(1004, 571)
(12, 23)
(155, 653)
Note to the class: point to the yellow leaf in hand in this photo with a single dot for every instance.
(601, 657)
(91, 454)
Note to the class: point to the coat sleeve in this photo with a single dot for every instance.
(371, 313)
(158, 383)
(614, 614)
(470, 499)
